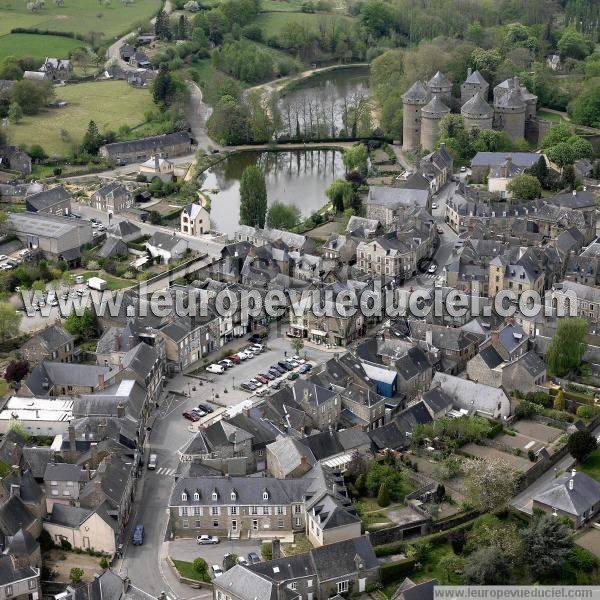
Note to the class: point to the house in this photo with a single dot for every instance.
(260, 507)
(140, 60)
(24, 549)
(37, 416)
(113, 248)
(409, 590)
(337, 568)
(436, 168)
(140, 150)
(475, 398)
(360, 227)
(573, 495)
(260, 237)
(124, 230)
(501, 175)
(195, 219)
(55, 201)
(483, 162)
(363, 407)
(289, 458)
(57, 69)
(63, 482)
(577, 299)
(126, 51)
(82, 528)
(386, 205)
(113, 198)
(14, 159)
(57, 238)
(340, 248)
(53, 343)
(104, 585)
(167, 247)
(156, 166)
(20, 583)
(331, 518)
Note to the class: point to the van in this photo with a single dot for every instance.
(138, 535)
(152, 462)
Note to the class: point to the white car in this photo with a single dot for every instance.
(3, 257)
(258, 348)
(299, 360)
(217, 571)
(152, 462)
(207, 539)
(434, 205)
(463, 169)
(214, 368)
(256, 382)
(432, 269)
(242, 561)
(242, 355)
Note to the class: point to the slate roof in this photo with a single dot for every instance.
(38, 458)
(53, 337)
(512, 336)
(141, 360)
(435, 107)
(114, 473)
(9, 573)
(532, 363)
(416, 93)
(30, 490)
(575, 200)
(387, 436)
(408, 419)
(113, 247)
(65, 472)
(69, 516)
(491, 357)
(48, 198)
(124, 228)
(439, 80)
(489, 159)
(476, 77)
(21, 544)
(167, 241)
(585, 493)
(290, 454)
(337, 560)
(14, 515)
(437, 400)
(244, 583)
(56, 373)
(331, 513)
(156, 142)
(412, 364)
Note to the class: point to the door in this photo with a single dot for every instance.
(234, 525)
(255, 524)
(86, 543)
(362, 582)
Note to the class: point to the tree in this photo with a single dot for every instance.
(31, 96)
(162, 27)
(283, 216)
(357, 159)
(16, 370)
(388, 474)
(200, 565)
(486, 61)
(91, 140)
(567, 346)
(359, 484)
(450, 568)
(487, 566)
(569, 178)
(183, 28)
(490, 483)
(524, 187)
(82, 326)
(581, 444)
(37, 153)
(575, 45)
(383, 496)
(585, 107)
(76, 575)
(10, 321)
(297, 345)
(559, 401)
(15, 112)
(339, 193)
(457, 540)
(546, 543)
(253, 197)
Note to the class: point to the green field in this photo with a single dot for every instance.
(272, 23)
(78, 16)
(281, 5)
(591, 466)
(108, 103)
(37, 46)
(112, 283)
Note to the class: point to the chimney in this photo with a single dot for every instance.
(469, 72)
(94, 458)
(117, 341)
(120, 410)
(494, 337)
(131, 342)
(16, 457)
(17, 472)
(72, 443)
(15, 490)
(121, 367)
(100, 381)
(275, 549)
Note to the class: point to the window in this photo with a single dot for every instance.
(184, 511)
(255, 524)
(293, 585)
(214, 496)
(297, 509)
(214, 510)
(66, 492)
(196, 496)
(309, 583)
(55, 492)
(298, 521)
(254, 510)
(280, 523)
(186, 523)
(197, 511)
(235, 510)
(215, 523)
(265, 495)
(342, 586)
(32, 584)
(233, 496)
(279, 510)
(70, 484)
(184, 497)
(197, 523)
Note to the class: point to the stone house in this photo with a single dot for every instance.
(54, 343)
(18, 583)
(259, 507)
(112, 198)
(575, 298)
(331, 518)
(195, 219)
(55, 201)
(322, 405)
(65, 379)
(386, 204)
(168, 145)
(260, 237)
(366, 407)
(415, 372)
(156, 166)
(289, 458)
(15, 159)
(167, 247)
(57, 69)
(64, 481)
(516, 271)
(483, 162)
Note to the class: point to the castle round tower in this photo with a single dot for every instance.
(473, 84)
(477, 113)
(431, 114)
(440, 86)
(415, 98)
(511, 112)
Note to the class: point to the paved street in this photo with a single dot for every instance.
(189, 549)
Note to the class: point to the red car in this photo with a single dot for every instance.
(235, 359)
(191, 416)
(262, 379)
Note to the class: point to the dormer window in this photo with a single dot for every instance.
(215, 496)
(265, 495)
(184, 497)
(196, 496)
(233, 496)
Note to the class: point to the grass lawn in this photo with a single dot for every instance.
(112, 282)
(108, 103)
(186, 569)
(549, 116)
(591, 466)
(281, 5)
(299, 546)
(3, 388)
(80, 16)
(273, 23)
(37, 46)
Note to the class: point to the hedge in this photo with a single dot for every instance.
(495, 430)
(393, 571)
(37, 31)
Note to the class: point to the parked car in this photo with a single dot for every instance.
(198, 412)
(152, 459)
(277, 385)
(434, 205)
(440, 230)
(292, 363)
(298, 359)
(256, 382)
(215, 368)
(463, 169)
(225, 363)
(262, 392)
(242, 355)
(267, 375)
(432, 269)
(258, 347)
(235, 359)
(253, 558)
(207, 539)
(217, 571)
(293, 376)
(3, 257)
(205, 407)
(303, 369)
(274, 373)
(190, 416)
(242, 561)
(262, 379)
(248, 387)
(279, 369)
(284, 366)
(138, 535)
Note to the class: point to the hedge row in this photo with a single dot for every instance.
(37, 31)
(393, 571)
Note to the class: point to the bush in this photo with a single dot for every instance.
(104, 563)
(393, 571)
(200, 565)
(383, 497)
(586, 412)
(65, 544)
(539, 398)
(266, 551)
(495, 430)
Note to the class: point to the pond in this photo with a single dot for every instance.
(324, 105)
(295, 177)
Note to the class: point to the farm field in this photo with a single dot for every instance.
(80, 16)
(109, 103)
(272, 23)
(37, 46)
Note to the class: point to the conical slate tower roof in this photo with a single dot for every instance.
(477, 107)
(416, 93)
(435, 107)
(439, 80)
(476, 77)
(511, 99)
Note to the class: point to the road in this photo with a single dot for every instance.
(523, 501)
(197, 113)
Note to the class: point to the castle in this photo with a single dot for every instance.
(424, 105)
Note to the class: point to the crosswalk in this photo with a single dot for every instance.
(165, 471)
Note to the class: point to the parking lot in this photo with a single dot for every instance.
(188, 549)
